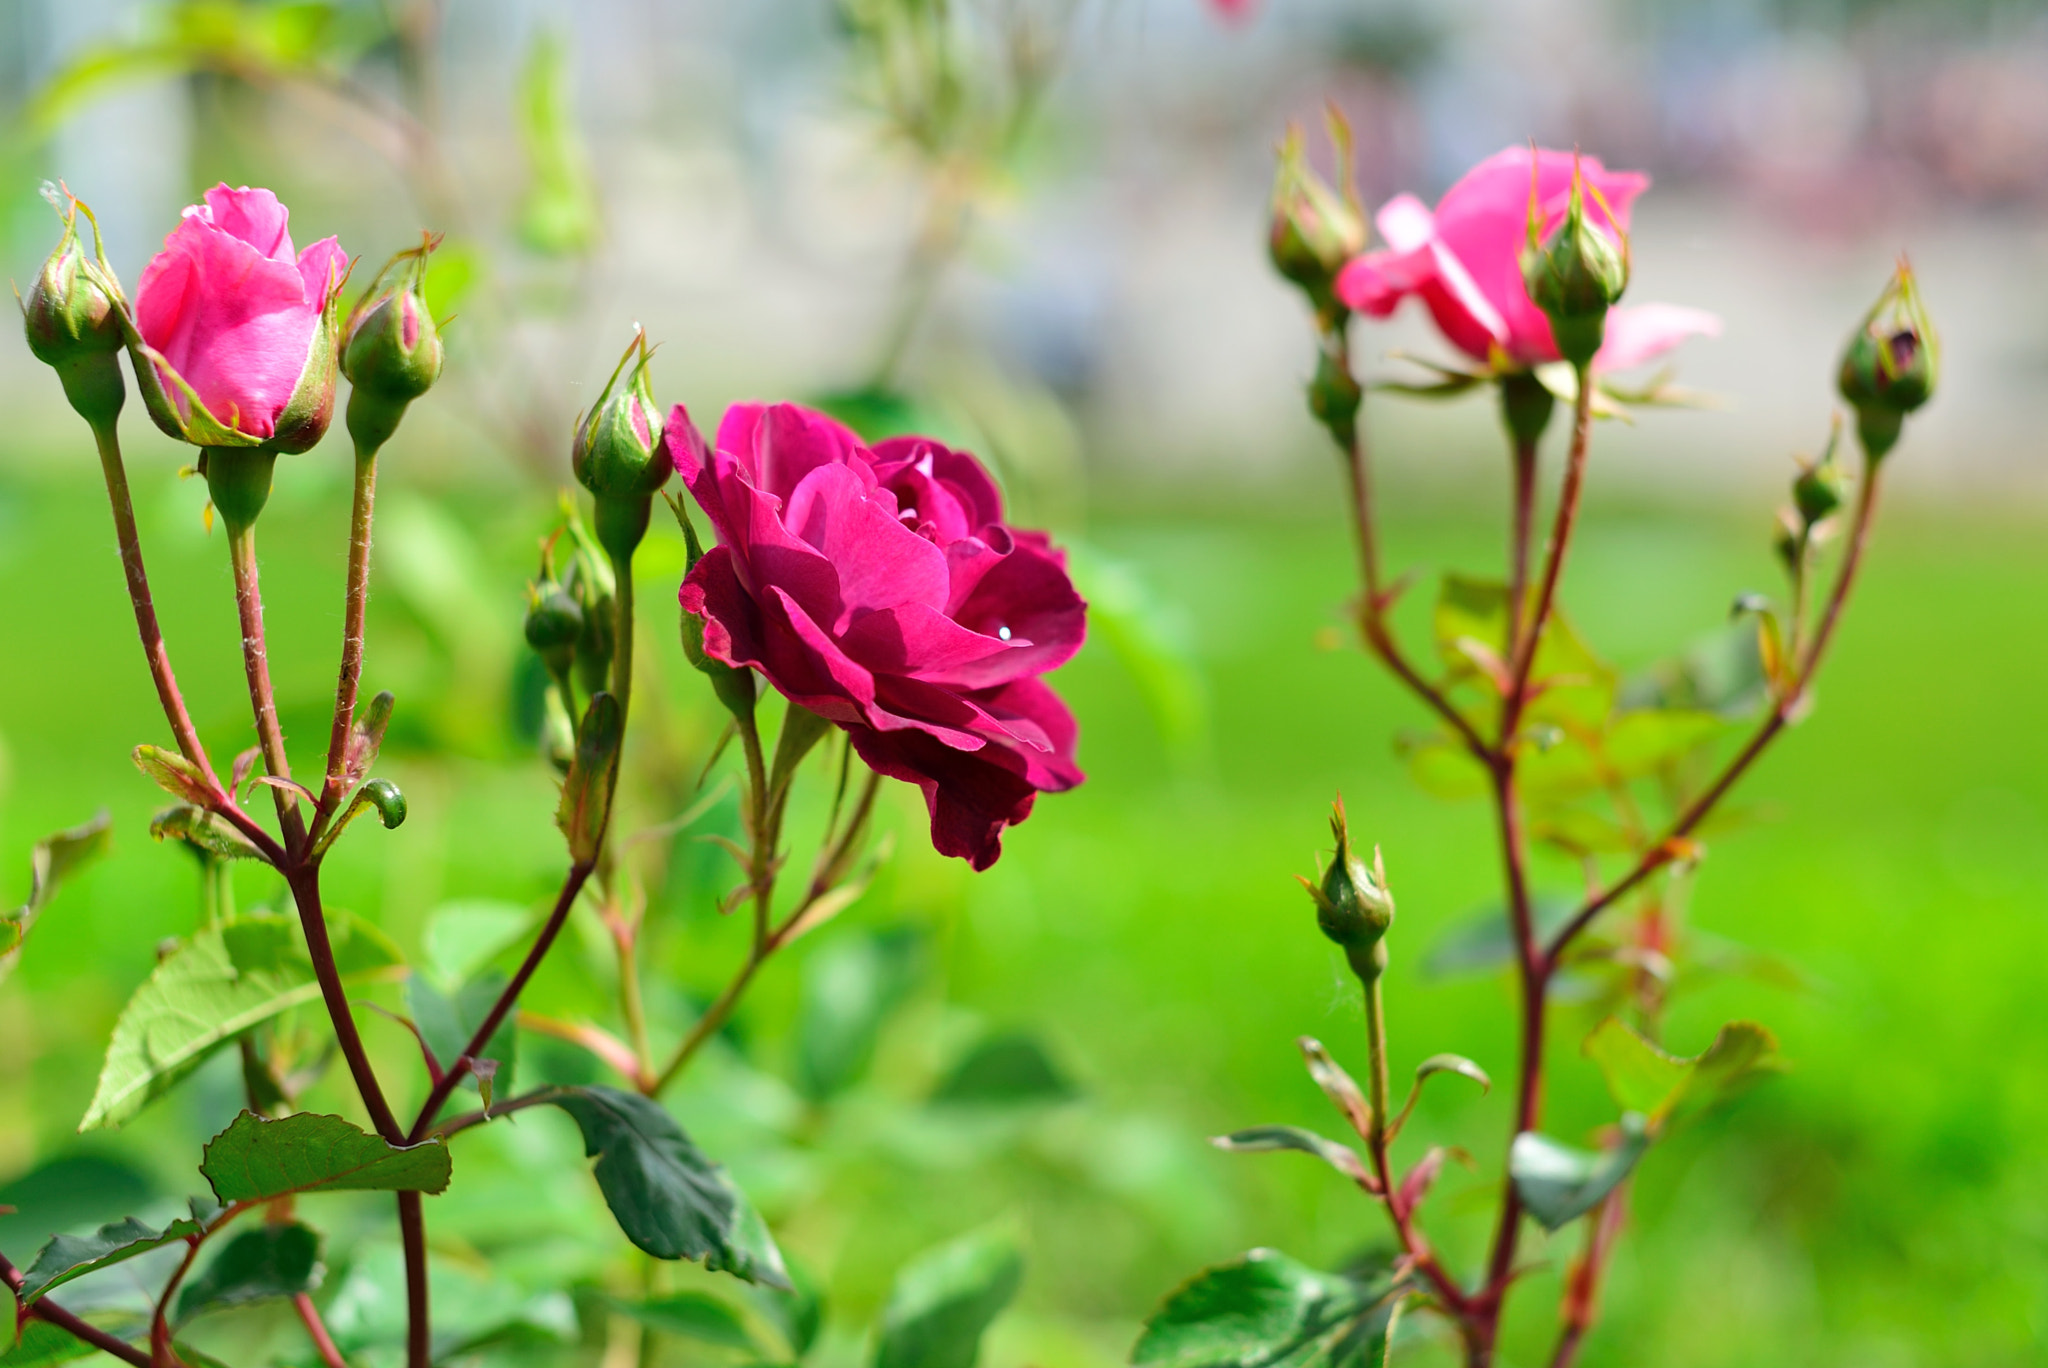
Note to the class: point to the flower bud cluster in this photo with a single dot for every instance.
(1891, 364)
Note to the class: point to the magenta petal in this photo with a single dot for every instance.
(778, 444)
(322, 268)
(252, 216)
(917, 640)
(1030, 596)
(686, 446)
(971, 796)
(880, 562)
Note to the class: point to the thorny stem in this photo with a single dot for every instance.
(1517, 696)
(45, 1309)
(1582, 1288)
(361, 513)
(256, 665)
(107, 438)
(1377, 1143)
(1518, 553)
(761, 865)
(1783, 711)
(305, 885)
(438, 1096)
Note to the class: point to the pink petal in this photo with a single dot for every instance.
(1406, 223)
(322, 267)
(252, 216)
(778, 444)
(1640, 332)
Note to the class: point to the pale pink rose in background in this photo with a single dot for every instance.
(236, 313)
(1464, 261)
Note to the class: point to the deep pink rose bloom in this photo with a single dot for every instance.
(233, 310)
(1465, 262)
(880, 588)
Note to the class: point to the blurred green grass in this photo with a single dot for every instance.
(1883, 1203)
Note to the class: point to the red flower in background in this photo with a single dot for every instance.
(880, 588)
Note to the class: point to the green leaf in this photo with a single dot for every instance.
(1469, 609)
(1558, 1183)
(1577, 686)
(690, 1315)
(259, 1160)
(53, 860)
(1154, 648)
(73, 1256)
(850, 986)
(1453, 1063)
(272, 1260)
(669, 1199)
(944, 1299)
(1259, 1139)
(42, 1345)
(796, 1311)
(1646, 740)
(1664, 1088)
(1004, 1070)
(10, 1317)
(1260, 1310)
(559, 216)
(203, 831)
(225, 980)
(449, 1023)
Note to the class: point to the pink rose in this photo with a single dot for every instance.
(881, 589)
(1464, 261)
(239, 325)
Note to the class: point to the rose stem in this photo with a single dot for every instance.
(361, 514)
(47, 1310)
(256, 665)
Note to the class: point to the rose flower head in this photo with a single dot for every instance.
(881, 588)
(1464, 261)
(237, 328)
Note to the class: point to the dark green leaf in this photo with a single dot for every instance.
(448, 1024)
(1257, 1139)
(227, 979)
(259, 1160)
(691, 1315)
(52, 861)
(72, 1256)
(1003, 1070)
(1260, 1310)
(272, 1260)
(668, 1198)
(944, 1299)
(1558, 1183)
(850, 987)
(70, 1190)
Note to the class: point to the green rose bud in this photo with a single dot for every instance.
(391, 350)
(1575, 277)
(1353, 905)
(1315, 227)
(554, 624)
(73, 321)
(621, 453)
(1890, 365)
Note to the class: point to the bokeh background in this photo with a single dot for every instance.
(1056, 254)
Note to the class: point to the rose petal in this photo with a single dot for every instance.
(880, 562)
(1641, 332)
(253, 216)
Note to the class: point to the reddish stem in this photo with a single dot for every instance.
(46, 1310)
(316, 1329)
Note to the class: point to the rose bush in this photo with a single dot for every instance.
(240, 324)
(1464, 261)
(880, 588)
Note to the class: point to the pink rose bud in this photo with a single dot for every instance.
(1315, 229)
(237, 330)
(391, 350)
(73, 321)
(621, 453)
(1890, 366)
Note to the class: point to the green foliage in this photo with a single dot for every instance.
(259, 1160)
(1258, 1139)
(1004, 1070)
(221, 982)
(53, 860)
(1265, 1310)
(944, 1300)
(1558, 1183)
(42, 1345)
(850, 986)
(1664, 1088)
(668, 1198)
(279, 1259)
(559, 215)
(689, 1315)
(73, 1256)
(586, 805)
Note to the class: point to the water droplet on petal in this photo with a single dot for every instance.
(1002, 634)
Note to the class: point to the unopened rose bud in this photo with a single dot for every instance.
(1353, 905)
(1575, 276)
(391, 350)
(1789, 542)
(1316, 228)
(554, 624)
(1334, 397)
(74, 326)
(1817, 493)
(1891, 364)
(621, 453)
